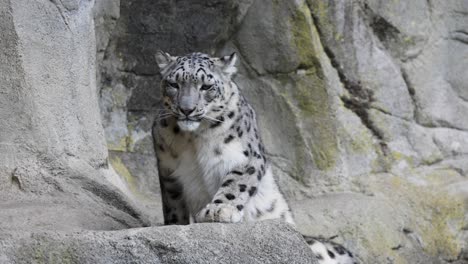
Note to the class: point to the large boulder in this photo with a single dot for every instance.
(263, 242)
(54, 172)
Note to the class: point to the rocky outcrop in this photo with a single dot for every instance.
(60, 200)
(53, 166)
(201, 243)
(362, 106)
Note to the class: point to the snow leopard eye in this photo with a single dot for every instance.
(206, 87)
(173, 85)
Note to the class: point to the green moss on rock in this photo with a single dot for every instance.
(439, 214)
(301, 26)
(308, 94)
(124, 172)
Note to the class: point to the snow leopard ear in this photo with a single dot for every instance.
(228, 64)
(163, 59)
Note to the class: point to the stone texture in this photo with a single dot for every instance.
(201, 243)
(362, 106)
(53, 165)
(61, 191)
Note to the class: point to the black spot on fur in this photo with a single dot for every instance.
(228, 139)
(175, 194)
(227, 183)
(219, 122)
(251, 170)
(253, 191)
(217, 201)
(230, 196)
(174, 219)
(240, 133)
(168, 179)
(319, 256)
(331, 254)
(259, 175)
(207, 212)
(272, 207)
(340, 249)
(236, 172)
(242, 187)
(231, 114)
(240, 207)
(217, 151)
(163, 123)
(262, 168)
(246, 153)
(259, 213)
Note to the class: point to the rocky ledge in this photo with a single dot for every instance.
(261, 242)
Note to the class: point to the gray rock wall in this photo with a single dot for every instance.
(60, 200)
(53, 165)
(362, 106)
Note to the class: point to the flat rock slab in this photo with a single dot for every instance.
(261, 242)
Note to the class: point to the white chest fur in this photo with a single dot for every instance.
(201, 167)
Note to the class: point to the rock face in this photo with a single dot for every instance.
(201, 244)
(53, 165)
(362, 106)
(59, 198)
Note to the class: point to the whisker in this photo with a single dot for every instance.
(164, 116)
(213, 119)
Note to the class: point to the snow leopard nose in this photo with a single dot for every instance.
(187, 111)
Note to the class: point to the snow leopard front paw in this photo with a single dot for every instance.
(223, 213)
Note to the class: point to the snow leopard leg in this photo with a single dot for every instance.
(236, 189)
(174, 207)
(329, 252)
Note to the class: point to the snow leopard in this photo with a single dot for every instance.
(211, 159)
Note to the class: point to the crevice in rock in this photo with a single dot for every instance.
(138, 74)
(118, 220)
(359, 99)
(429, 5)
(398, 247)
(16, 181)
(411, 92)
(460, 36)
(380, 110)
(59, 9)
(384, 31)
(114, 199)
(392, 38)
(443, 124)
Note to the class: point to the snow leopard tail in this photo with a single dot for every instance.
(329, 252)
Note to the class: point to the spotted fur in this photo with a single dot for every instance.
(211, 159)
